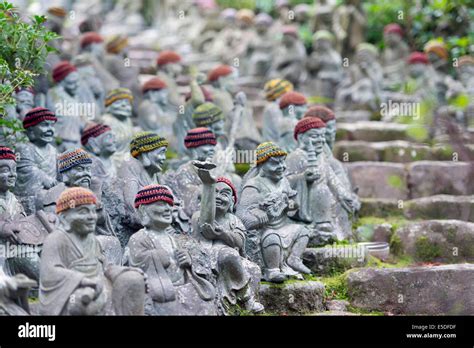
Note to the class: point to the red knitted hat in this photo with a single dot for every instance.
(322, 112)
(62, 70)
(230, 184)
(93, 130)
(154, 193)
(7, 154)
(418, 57)
(28, 89)
(307, 123)
(221, 70)
(90, 38)
(167, 57)
(153, 84)
(198, 137)
(38, 115)
(292, 98)
(393, 28)
(290, 30)
(207, 95)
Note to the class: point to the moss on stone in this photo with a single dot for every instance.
(396, 246)
(395, 262)
(426, 250)
(335, 287)
(361, 311)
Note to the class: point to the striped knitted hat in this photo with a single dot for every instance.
(219, 71)
(116, 44)
(275, 88)
(465, 60)
(155, 84)
(7, 154)
(321, 112)
(118, 94)
(38, 115)
(418, 57)
(72, 158)
(146, 142)
(307, 123)
(206, 114)
(90, 38)
(230, 184)
(93, 130)
(198, 137)
(267, 150)
(292, 98)
(245, 15)
(57, 11)
(154, 193)
(74, 197)
(437, 47)
(62, 70)
(393, 28)
(167, 57)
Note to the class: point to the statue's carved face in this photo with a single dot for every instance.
(25, 101)
(7, 175)
(274, 168)
(155, 159)
(79, 175)
(121, 108)
(80, 220)
(173, 69)
(158, 96)
(97, 49)
(313, 139)
(417, 70)
(435, 60)
(204, 152)
(288, 40)
(392, 39)
(466, 73)
(228, 82)
(107, 144)
(42, 133)
(323, 45)
(71, 83)
(217, 128)
(224, 199)
(158, 214)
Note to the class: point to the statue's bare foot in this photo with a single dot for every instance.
(296, 263)
(275, 276)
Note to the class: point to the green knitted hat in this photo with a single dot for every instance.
(323, 34)
(267, 150)
(206, 114)
(146, 142)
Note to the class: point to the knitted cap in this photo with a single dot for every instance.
(74, 197)
(323, 35)
(292, 98)
(38, 115)
(245, 15)
(7, 154)
(277, 87)
(418, 57)
(267, 150)
(153, 193)
(321, 112)
(118, 94)
(465, 60)
(116, 44)
(438, 48)
(393, 28)
(230, 184)
(155, 84)
(62, 70)
(167, 57)
(90, 38)
(307, 123)
(146, 142)
(93, 130)
(57, 11)
(263, 19)
(290, 30)
(198, 137)
(206, 114)
(228, 13)
(72, 158)
(207, 95)
(221, 70)
(365, 46)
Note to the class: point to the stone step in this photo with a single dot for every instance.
(399, 151)
(400, 181)
(438, 290)
(431, 207)
(334, 259)
(292, 297)
(373, 131)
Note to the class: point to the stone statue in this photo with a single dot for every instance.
(272, 114)
(324, 66)
(65, 100)
(266, 199)
(174, 287)
(293, 105)
(420, 84)
(14, 294)
(155, 112)
(169, 70)
(394, 57)
(261, 46)
(25, 101)
(37, 158)
(311, 175)
(349, 25)
(75, 277)
(118, 117)
(221, 238)
(290, 57)
(323, 15)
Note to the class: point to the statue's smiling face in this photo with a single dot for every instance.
(81, 219)
(158, 214)
(71, 83)
(42, 133)
(274, 168)
(313, 139)
(7, 175)
(223, 197)
(24, 100)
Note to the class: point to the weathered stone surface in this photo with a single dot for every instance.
(298, 297)
(427, 178)
(380, 207)
(438, 240)
(440, 207)
(372, 131)
(335, 314)
(441, 290)
(353, 151)
(331, 259)
(337, 305)
(379, 180)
